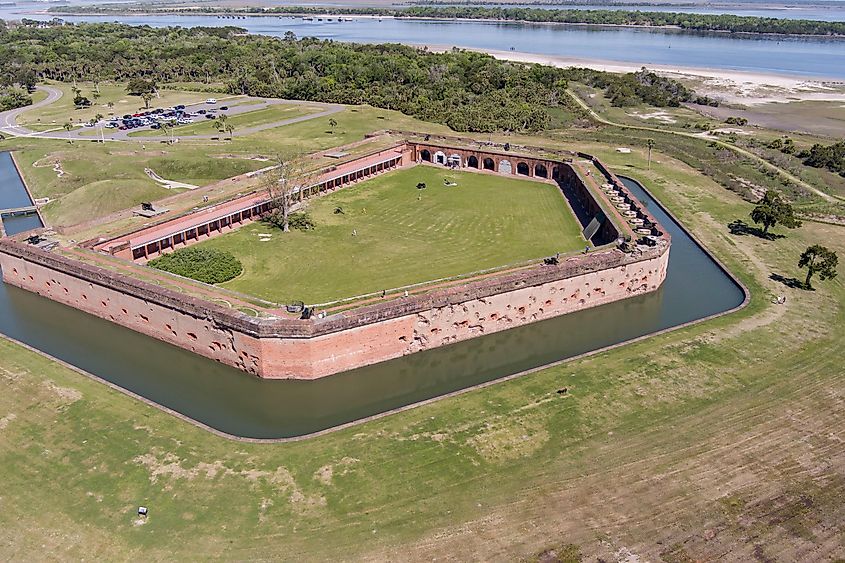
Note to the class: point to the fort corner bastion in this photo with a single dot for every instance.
(629, 257)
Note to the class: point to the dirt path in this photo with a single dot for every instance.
(747, 154)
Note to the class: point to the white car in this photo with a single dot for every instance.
(211, 101)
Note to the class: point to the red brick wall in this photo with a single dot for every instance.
(354, 343)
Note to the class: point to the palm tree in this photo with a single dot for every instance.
(98, 119)
(650, 146)
(332, 124)
(230, 129)
(67, 127)
(167, 129)
(220, 122)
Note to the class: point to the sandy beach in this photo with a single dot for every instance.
(747, 88)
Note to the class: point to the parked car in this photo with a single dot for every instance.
(211, 101)
(180, 106)
(209, 116)
(155, 126)
(201, 112)
(224, 108)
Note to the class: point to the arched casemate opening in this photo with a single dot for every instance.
(505, 167)
(540, 171)
(522, 169)
(440, 157)
(472, 161)
(426, 155)
(489, 164)
(556, 173)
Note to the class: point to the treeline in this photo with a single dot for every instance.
(637, 87)
(16, 82)
(685, 21)
(466, 91)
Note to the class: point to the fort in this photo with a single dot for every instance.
(628, 256)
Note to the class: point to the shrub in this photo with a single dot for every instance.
(207, 265)
(302, 221)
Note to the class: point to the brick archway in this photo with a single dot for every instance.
(505, 166)
(523, 169)
(540, 170)
(472, 161)
(426, 155)
(489, 164)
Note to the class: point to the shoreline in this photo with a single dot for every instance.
(753, 87)
(731, 86)
(235, 15)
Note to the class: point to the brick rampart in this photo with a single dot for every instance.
(287, 347)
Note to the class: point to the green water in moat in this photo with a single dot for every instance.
(238, 404)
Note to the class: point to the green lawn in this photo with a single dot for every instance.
(403, 235)
(103, 178)
(720, 441)
(203, 126)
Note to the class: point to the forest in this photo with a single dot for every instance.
(685, 21)
(465, 90)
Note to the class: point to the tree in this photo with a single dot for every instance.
(230, 129)
(773, 209)
(138, 86)
(332, 124)
(147, 96)
(167, 129)
(650, 146)
(98, 121)
(96, 95)
(818, 260)
(67, 127)
(285, 184)
(220, 122)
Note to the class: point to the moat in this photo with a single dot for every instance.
(238, 404)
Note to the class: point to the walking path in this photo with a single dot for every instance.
(747, 154)
(9, 124)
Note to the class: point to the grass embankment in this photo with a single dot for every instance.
(95, 179)
(717, 441)
(392, 234)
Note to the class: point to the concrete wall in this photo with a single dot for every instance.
(292, 348)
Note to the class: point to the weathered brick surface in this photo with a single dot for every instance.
(309, 349)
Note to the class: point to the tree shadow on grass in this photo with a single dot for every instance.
(793, 283)
(740, 228)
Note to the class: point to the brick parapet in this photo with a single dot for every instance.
(314, 327)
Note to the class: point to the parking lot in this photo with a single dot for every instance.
(118, 128)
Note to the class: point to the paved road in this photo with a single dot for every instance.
(8, 119)
(10, 127)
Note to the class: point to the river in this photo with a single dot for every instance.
(795, 56)
(239, 404)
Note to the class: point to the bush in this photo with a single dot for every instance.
(301, 221)
(207, 265)
(13, 98)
